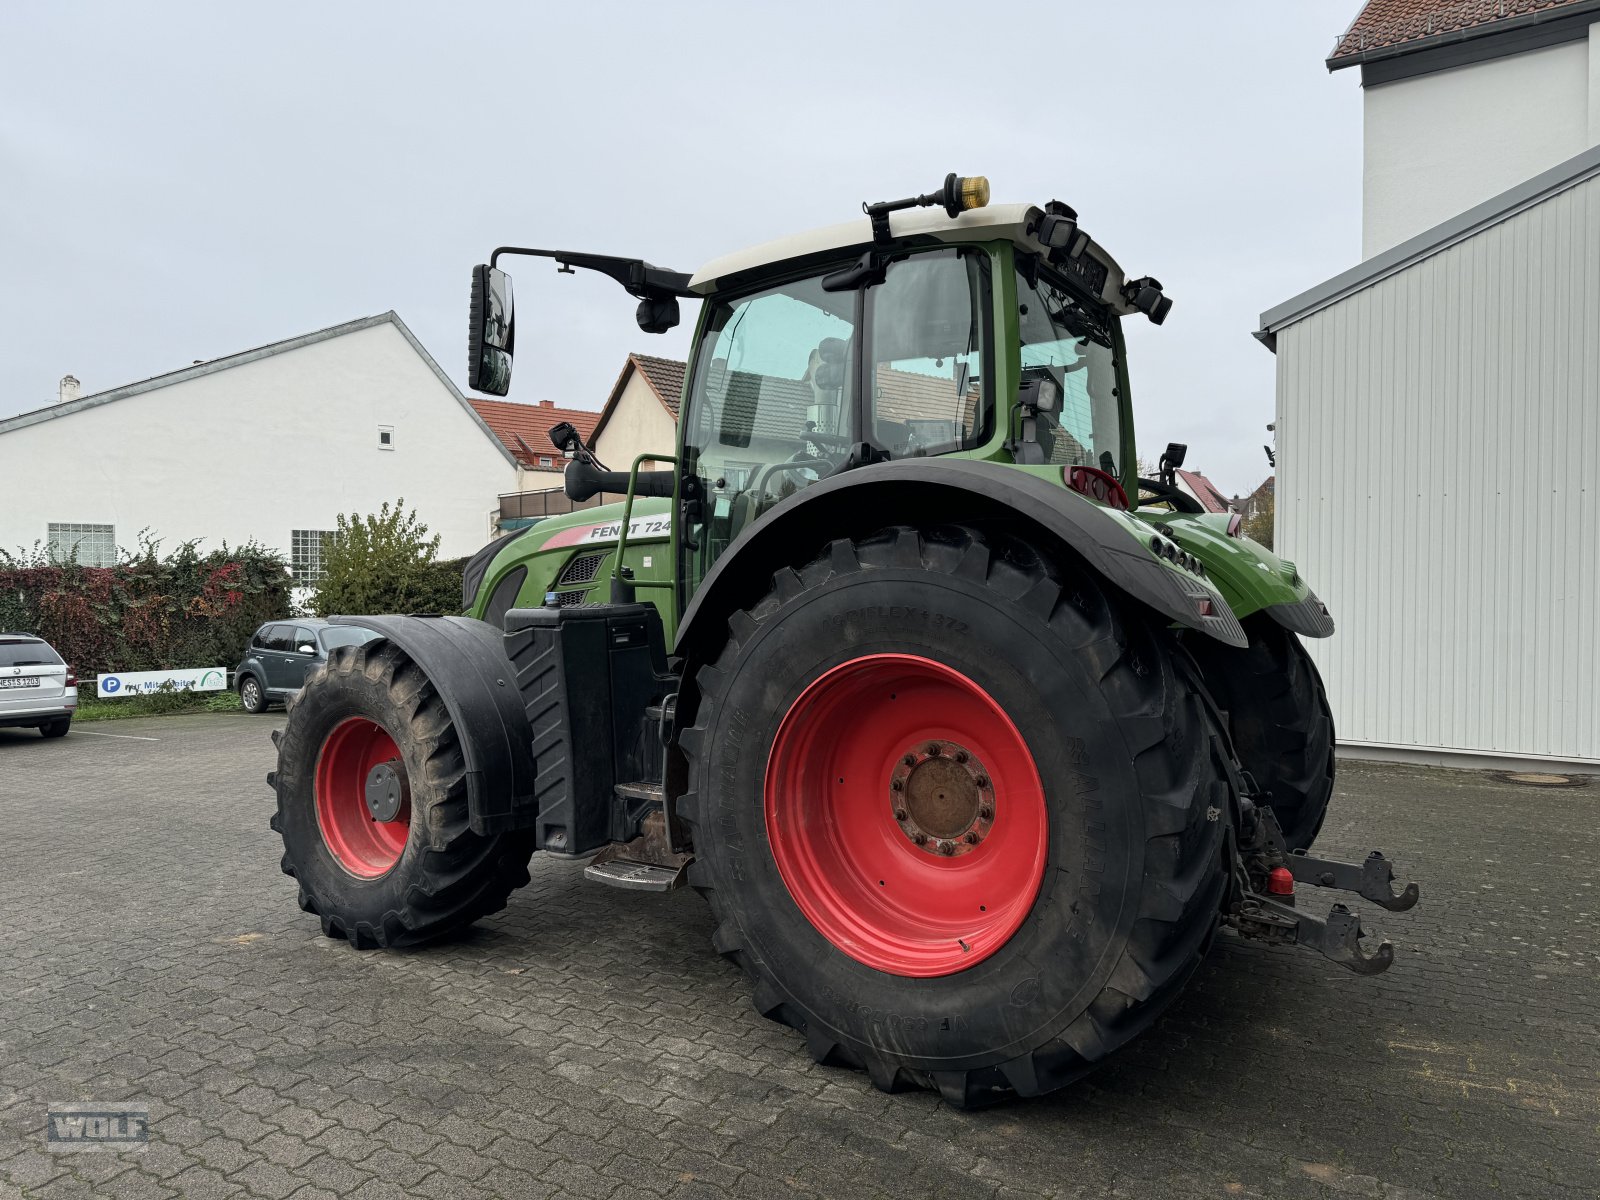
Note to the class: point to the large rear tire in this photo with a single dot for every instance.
(1278, 717)
(1050, 747)
(370, 716)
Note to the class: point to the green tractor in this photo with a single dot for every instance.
(971, 737)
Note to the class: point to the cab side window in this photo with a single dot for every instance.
(926, 319)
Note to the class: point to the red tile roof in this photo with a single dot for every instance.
(665, 377)
(1392, 23)
(1205, 491)
(507, 420)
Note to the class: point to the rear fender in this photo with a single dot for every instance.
(466, 662)
(935, 491)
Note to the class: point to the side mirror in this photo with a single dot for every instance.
(308, 649)
(491, 334)
(1171, 460)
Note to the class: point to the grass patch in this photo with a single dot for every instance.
(156, 704)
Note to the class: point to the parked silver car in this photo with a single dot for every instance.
(37, 688)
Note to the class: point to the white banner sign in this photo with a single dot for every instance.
(137, 683)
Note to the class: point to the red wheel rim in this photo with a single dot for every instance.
(358, 841)
(842, 828)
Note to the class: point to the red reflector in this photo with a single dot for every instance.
(1280, 882)
(1205, 607)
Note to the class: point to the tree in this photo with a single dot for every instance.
(383, 562)
(1258, 525)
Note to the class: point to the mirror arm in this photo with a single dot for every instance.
(637, 277)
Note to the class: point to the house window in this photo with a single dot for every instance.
(546, 461)
(91, 545)
(305, 553)
(385, 437)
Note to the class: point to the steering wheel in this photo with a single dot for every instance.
(1168, 494)
(801, 460)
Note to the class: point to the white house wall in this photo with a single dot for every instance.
(1437, 439)
(1436, 144)
(284, 442)
(639, 424)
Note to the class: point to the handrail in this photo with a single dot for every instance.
(622, 587)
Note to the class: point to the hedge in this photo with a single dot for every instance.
(150, 612)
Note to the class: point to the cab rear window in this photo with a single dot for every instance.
(28, 654)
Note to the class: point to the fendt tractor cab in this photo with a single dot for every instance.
(971, 737)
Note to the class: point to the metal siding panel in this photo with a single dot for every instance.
(1437, 435)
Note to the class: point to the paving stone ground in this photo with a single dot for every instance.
(588, 1042)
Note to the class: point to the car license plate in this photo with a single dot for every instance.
(18, 681)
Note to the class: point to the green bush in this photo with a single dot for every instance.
(384, 563)
(150, 612)
(156, 704)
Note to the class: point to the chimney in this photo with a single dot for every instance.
(547, 404)
(68, 389)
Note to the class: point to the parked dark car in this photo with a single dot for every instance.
(37, 688)
(281, 652)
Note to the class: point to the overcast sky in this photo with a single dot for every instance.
(180, 182)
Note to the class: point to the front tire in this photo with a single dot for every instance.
(372, 807)
(1280, 722)
(1071, 876)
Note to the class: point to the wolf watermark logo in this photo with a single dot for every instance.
(97, 1126)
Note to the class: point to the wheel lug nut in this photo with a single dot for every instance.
(962, 756)
(910, 760)
(899, 814)
(898, 785)
(920, 839)
(972, 837)
(986, 813)
(934, 749)
(947, 847)
(982, 781)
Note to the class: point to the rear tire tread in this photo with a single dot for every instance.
(1170, 735)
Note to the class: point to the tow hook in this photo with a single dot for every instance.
(1337, 938)
(1372, 880)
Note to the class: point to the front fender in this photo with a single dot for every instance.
(466, 662)
(1251, 577)
(927, 491)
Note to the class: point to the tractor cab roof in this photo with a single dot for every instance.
(1015, 223)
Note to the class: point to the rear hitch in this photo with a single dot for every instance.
(1372, 880)
(1264, 901)
(1338, 938)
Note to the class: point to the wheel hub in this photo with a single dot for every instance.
(386, 790)
(943, 799)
